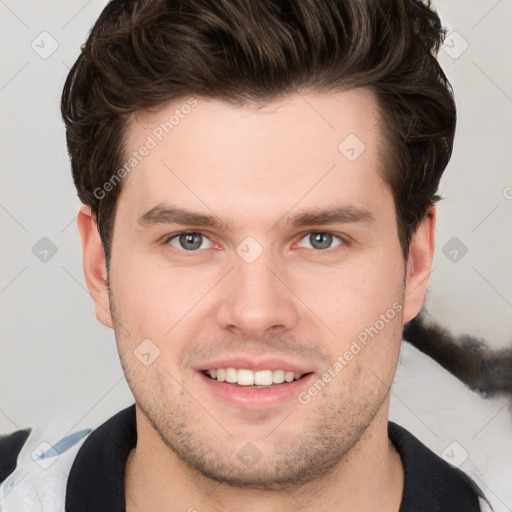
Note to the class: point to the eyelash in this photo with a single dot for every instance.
(343, 241)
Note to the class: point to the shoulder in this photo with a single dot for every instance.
(43, 469)
(431, 483)
(34, 464)
(10, 446)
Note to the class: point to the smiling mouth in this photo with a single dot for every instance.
(253, 379)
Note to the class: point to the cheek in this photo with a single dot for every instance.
(352, 297)
(362, 305)
(152, 299)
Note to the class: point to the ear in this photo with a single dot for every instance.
(419, 265)
(94, 264)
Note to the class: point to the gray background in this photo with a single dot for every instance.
(59, 366)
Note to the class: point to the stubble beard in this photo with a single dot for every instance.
(335, 424)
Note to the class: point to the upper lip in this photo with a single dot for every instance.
(255, 364)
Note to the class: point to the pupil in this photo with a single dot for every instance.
(190, 238)
(321, 240)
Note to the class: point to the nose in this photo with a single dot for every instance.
(257, 299)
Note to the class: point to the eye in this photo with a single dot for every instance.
(189, 241)
(321, 240)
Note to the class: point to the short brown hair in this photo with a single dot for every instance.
(141, 54)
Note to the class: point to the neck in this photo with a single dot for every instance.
(370, 477)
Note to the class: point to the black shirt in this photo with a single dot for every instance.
(96, 480)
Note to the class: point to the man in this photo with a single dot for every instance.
(258, 181)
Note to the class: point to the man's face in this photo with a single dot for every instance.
(259, 291)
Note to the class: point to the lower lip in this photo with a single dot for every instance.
(257, 398)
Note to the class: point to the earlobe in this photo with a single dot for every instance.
(94, 264)
(419, 265)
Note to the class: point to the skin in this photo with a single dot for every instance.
(254, 169)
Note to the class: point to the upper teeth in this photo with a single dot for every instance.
(245, 377)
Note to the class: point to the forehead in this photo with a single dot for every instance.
(209, 155)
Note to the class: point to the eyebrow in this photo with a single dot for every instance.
(334, 215)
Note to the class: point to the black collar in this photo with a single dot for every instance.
(96, 479)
